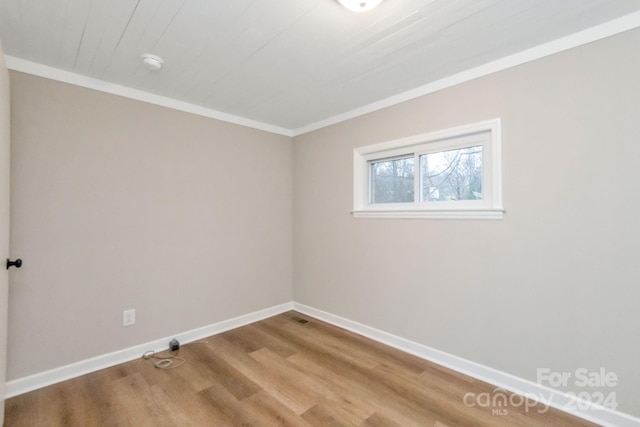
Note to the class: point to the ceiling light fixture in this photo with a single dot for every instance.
(152, 62)
(360, 5)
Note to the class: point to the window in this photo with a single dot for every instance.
(454, 173)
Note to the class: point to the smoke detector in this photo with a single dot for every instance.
(152, 62)
(360, 5)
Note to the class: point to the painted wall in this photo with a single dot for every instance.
(117, 204)
(555, 284)
(4, 219)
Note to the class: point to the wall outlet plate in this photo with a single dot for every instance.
(129, 317)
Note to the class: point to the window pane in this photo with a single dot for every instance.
(392, 180)
(452, 175)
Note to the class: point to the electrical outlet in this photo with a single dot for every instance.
(129, 317)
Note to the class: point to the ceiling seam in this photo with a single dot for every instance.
(115, 49)
(598, 32)
(84, 29)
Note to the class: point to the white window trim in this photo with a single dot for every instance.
(489, 208)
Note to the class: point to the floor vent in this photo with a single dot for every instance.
(298, 319)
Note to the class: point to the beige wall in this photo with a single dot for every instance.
(118, 204)
(4, 218)
(556, 283)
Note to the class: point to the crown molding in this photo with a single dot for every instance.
(598, 32)
(24, 66)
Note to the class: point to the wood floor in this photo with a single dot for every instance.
(276, 372)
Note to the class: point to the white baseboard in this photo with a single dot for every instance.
(502, 380)
(53, 376)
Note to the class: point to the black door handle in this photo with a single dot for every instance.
(17, 263)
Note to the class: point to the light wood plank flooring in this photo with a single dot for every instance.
(276, 372)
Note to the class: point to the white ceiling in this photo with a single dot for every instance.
(286, 63)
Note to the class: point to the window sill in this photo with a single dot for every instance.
(495, 213)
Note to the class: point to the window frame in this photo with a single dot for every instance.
(486, 134)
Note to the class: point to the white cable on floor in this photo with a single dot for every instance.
(164, 362)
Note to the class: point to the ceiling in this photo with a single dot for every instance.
(286, 63)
